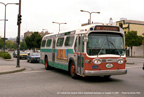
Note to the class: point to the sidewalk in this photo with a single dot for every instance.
(6, 69)
(10, 69)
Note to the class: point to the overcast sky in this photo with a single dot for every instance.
(39, 14)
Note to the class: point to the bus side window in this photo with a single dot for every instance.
(43, 43)
(69, 40)
(60, 41)
(48, 42)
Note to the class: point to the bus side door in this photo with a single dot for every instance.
(80, 56)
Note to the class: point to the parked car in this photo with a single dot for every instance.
(29, 51)
(23, 55)
(33, 57)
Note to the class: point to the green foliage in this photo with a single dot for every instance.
(33, 41)
(10, 44)
(23, 46)
(1, 43)
(132, 39)
(5, 55)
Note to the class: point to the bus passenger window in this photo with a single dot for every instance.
(48, 42)
(69, 41)
(43, 43)
(60, 41)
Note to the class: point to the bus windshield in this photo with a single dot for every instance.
(105, 43)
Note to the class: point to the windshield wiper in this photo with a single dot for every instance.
(115, 47)
(101, 48)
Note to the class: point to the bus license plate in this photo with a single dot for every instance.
(94, 67)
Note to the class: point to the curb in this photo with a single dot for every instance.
(9, 59)
(13, 71)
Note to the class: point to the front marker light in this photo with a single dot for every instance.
(120, 61)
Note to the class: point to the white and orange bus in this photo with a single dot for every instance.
(92, 50)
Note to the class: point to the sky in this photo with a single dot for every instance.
(39, 14)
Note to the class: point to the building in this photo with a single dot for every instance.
(28, 33)
(133, 25)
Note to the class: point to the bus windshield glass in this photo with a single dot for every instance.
(105, 43)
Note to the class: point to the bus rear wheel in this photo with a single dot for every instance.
(73, 71)
(47, 67)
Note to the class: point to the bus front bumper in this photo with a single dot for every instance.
(105, 72)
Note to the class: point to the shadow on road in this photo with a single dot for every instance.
(98, 79)
(90, 79)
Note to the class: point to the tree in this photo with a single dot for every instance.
(23, 46)
(132, 39)
(33, 41)
(1, 43)
(10, 45)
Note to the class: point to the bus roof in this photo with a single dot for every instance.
(86, 29)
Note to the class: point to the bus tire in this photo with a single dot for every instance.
(73, 71)
(47, 67)
(107, 76)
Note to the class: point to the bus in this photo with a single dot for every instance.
(92, 50)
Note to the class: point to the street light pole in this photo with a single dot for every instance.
(59, 24)
(6, 19)
(89, 14)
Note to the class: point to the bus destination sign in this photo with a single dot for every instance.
(110, 28)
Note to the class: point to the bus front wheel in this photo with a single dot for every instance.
(73, 71)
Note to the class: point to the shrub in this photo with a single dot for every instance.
(5, 55)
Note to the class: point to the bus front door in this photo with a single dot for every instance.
(80, 56)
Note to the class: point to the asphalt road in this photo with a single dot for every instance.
(35, 81)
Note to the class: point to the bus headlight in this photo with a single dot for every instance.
(97, 61)
(120, 61)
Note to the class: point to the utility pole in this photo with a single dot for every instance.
(18, 37)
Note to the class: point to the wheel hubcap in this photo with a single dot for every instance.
(72, 69)
(46, 63)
